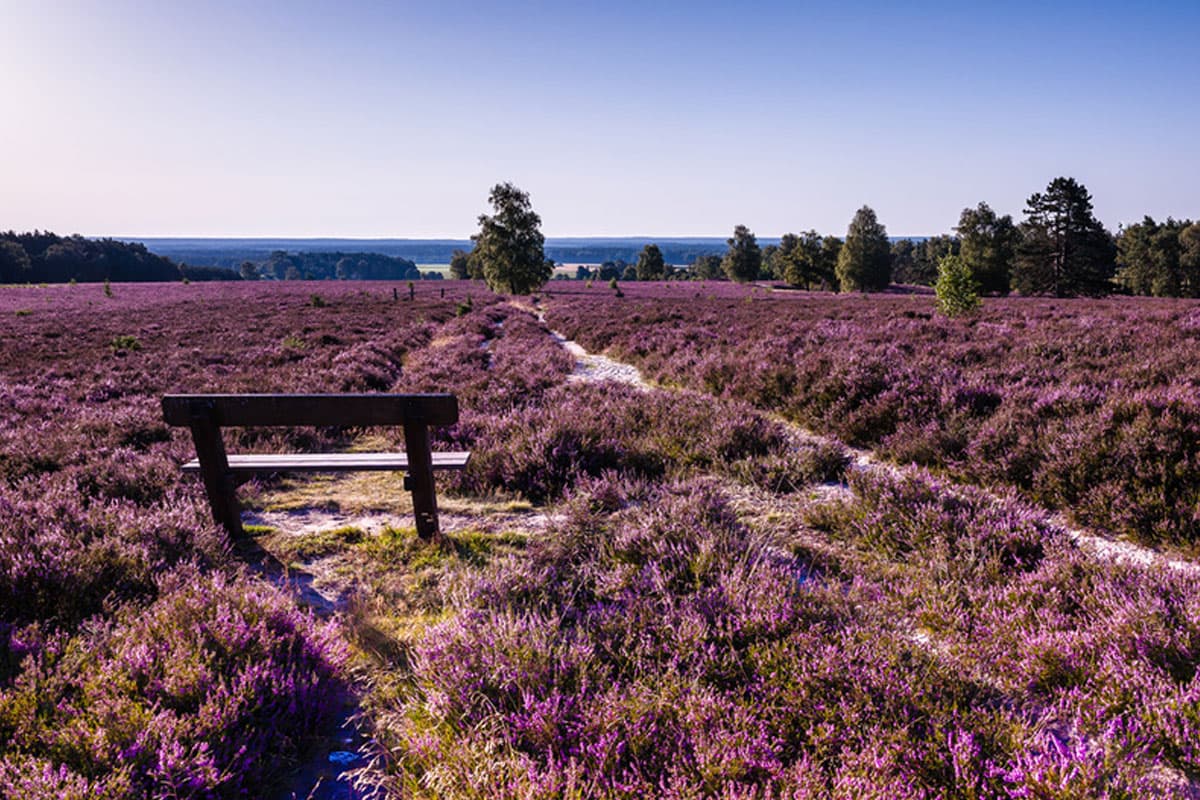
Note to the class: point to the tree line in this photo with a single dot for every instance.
(1058, 249)
(45, 257)
(319, 266)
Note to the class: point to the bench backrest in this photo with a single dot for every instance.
(350, 410)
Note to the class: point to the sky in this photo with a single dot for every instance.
(373, 119)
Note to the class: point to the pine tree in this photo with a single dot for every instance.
(865, 261)
(1064, 251)
(743, 259)
(650, 266)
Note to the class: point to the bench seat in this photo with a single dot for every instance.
(332, 462)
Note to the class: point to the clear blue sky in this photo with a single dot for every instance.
(619, 118)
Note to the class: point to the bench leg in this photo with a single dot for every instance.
(214, 469)
(420, 478)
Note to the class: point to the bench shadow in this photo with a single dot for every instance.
(296, 581)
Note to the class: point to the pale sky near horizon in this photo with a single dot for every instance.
(372, 119)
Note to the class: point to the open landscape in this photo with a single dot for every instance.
(618, 401)
(833, 547)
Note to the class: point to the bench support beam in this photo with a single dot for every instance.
(219, 484)
(419, 479)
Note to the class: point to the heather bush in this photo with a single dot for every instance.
(652, 644)
(1085, 405)
(588, 429)
(184, 698)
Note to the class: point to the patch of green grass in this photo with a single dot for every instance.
(312, 546)
(258, 530)
(24, 312)
(403, 546)
(294, 342)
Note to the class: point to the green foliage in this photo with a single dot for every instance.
(707, 268)
(125, 342)
(15, 266)
(107, 288)
(316, 301)
(650, 264)
(460, 265)
(772, 264)
(1162, 260)
(1065, 251)
(282, 265)
(464, 308)
(43, 257)
(865, 262)
(809, 259)
(989, 246)
(957, 290)
(509, 245)
(917, 262)
(743, 259)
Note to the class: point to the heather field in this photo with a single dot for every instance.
(834, 547)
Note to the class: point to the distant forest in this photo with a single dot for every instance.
(44, 257)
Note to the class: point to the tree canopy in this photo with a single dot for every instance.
(650, 265)
(1065, 251)
(865, 261)
(460, 265)
(743, 259)
(510, 246)
(989, 245)
(809, 259)
(1160, 259)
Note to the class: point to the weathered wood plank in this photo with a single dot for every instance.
(350, 410)
(332, 462)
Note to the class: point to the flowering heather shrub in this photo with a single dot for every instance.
(589, 429)
(653, 646)
(1089, 406)
(205, 693)
(120, 677)
(1112, 648)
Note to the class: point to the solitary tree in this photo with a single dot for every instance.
(249, 271)
(460, 268)
(743, 259)
(865, 261)
(1064, 249)
(509, 245)
(989, 245)
(650, 266)
(956, 289)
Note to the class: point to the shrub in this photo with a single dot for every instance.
(956, 289)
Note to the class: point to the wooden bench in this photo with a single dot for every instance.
(206, 414)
